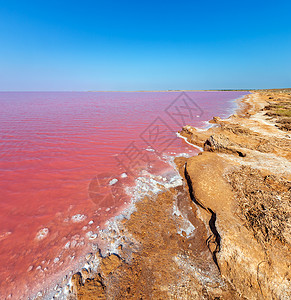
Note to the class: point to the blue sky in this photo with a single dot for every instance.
(144, 45)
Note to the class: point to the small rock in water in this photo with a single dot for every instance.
(88, 256)
(94, 247)
(78, 218)
(56, 260)
(93, 236)
(113, 181)
(4, 235)
(65, 280)
(29, 268)
(89, 233)
(57, 294)
(42, 234)
(66, 289)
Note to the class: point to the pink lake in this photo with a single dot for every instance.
(65, 159)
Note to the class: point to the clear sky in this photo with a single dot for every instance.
(144, 45)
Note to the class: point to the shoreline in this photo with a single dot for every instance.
(83, 275)
(128, 251)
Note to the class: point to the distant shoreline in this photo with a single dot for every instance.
(209, 90)
(163, 91)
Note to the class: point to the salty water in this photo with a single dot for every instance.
(65, 160)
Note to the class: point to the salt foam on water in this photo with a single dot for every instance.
(113, 181)
(185, 139)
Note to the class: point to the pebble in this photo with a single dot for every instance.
(57, 294)
(113, 181)
(91, 264)
(29, 268)
(42, 234)
(56, 260)
(78, 218)
(66, 289)
(94, 247)
(89, 233)
(93, 236)
(88, 256)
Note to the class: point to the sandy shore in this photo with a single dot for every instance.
(221, 229)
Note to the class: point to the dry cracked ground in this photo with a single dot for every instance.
(225, 233)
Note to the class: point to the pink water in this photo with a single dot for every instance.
(58, 153)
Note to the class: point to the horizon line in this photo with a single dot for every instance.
(144, 91)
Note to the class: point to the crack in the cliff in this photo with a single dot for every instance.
(215, 236)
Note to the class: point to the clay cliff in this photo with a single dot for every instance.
(242, 181)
